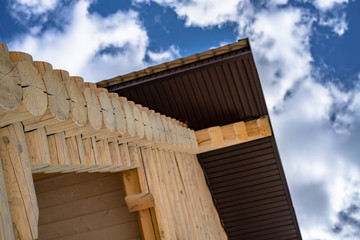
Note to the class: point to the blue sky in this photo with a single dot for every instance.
(306, 54)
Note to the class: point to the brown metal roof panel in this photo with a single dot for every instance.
(247, 182)
(216, 93)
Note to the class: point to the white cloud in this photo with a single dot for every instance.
(93, 46)
(164, 56)
(325, 5)
(23, 10)
(90, 45)
(202, 13)
(338, 24)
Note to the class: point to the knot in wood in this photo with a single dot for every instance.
(5, 139)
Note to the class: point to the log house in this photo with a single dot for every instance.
(182, 150)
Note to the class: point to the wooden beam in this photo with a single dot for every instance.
(219, 137)
(6, 229)
(139, 201)
(132, 187)
(19, 183)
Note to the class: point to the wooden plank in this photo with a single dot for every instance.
(6, 229)
(87, 223)
(82, 207)
(63, 180)
(164, 200)
(70, 193)
(38, 148)
(179, 207)
(131, 183)
(187, 176)
(20, 189)
(219, 137)
(183, 198)
(124, 231)
(154, 188)
(141, 201)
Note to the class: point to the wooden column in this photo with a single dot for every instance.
(139, 198)
(19, 183)
(6, 229)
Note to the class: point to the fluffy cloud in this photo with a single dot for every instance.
(325, 5)
(202, 13)
(24, 10)
(164, 56)
(93, 46)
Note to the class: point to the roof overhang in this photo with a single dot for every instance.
(215, 88)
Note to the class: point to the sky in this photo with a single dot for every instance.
(306, 53)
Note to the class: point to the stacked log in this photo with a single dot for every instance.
(71, 125)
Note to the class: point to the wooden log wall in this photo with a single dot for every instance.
(88, 206)
(71, 125)
(172, 185)
(53, 122)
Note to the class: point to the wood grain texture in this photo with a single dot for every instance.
(6, 229)
(91, 206)
(10, 89)
(19, 184)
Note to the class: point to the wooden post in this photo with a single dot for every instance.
(19, 184)
(6, 229)
(132, 188)
(38, 148)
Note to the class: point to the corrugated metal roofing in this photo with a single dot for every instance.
(250, 191)
(215, 93)
(247, 180)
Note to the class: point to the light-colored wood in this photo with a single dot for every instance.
(34, 97)
(84, 206)
(75, 159)
(139, 122)
(78, 111)
(173, 195)
(219, 137)
(6, 229)
(58, 103)
(104, 153)
(18, 180)
(38, 148)
(124, 155)
(93, 106)
(235, 132)
(107, 109)
(139, 201)
(154, 188)
(134, 156)
(154, 126)
(10, 88)
(131, 186)
(58, 97)
(147, 124)
(209, 138)
(161, 129)
(115, 155)
(59, 155)
(119, 113)
(164, 198)
(130, 119)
